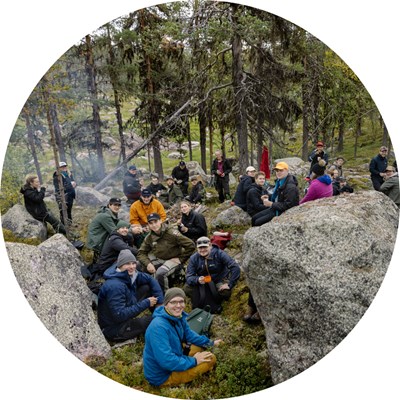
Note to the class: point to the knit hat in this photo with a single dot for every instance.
(125, 256)
(123, 224)
(319, 168)
(172, 293)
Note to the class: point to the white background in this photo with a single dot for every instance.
(34, 34)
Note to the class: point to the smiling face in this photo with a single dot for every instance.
(185, 208)
(260, 180)
(114, 207)
(123, 230)
(176, 306)
(129, 266)
(155, 225)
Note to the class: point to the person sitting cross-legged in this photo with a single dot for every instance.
(174, 354)
(125, 295)
(191, 224)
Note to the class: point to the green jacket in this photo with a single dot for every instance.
(170, 243)
(100, 228)
(174, 194)
(391, 188)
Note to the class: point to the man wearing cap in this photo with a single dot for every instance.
(213, 266)
(173, 195)
(131, 184)
(69, 186)
(377, 167)
(164, 250)
(140, 209)
(244, 185)
(318, 154)
(174, 354)
(221, 168)
(125, 294)
(284, 196)
(391, 185)
(180, 175)
(120, 239)
(101, 226)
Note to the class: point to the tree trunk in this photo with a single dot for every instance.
(31, 143)
(203, 136)
(358, 133)
(189, 138)
(57, 132)
(92, 88)
(239, 93)
(341, 134)
(306, 127)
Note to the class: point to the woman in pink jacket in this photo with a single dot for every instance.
(320, 185)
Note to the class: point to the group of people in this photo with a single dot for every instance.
(138, 260)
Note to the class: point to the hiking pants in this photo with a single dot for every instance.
(263, 217)
(222, 187)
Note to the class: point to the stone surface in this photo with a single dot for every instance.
(233, 216)
(50, 278)
(86, 196)
(22, 224)
(314, 271)
(296, 165)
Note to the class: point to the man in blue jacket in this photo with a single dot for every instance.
(125, 294)
(211, 264)
(173, 353)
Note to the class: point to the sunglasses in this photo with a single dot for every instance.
(206, 242)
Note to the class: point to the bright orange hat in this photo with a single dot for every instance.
(281, 165)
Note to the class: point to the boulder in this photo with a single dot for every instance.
(22, 224)
(86, 196)
(174, 155)
(50, 279)
(233, 216)
(296, 165)
(314, 271)
(195, 169)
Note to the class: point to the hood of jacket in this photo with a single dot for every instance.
(326, 179)
(112, 273)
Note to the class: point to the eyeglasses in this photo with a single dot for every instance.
(177, 302)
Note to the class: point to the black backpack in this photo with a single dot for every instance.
(200, 320)
(207, 295)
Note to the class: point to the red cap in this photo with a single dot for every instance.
(320, 144)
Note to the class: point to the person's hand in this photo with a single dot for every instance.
(201, 280)
(153, 301)
(175, 260)
(184, 229)
(178, 221)
(218, 172)
(218, 342)
(267, 203)
(136, 229)
(382, 174)
(151, 269)
(203, 357)
(222, 175)
(225, 286)
(145, 228)
(73, 183)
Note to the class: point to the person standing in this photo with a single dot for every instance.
(69, 186)
(173, 353)
(221, 168)
(391, 185)
(33, 197)
(318, 154)
(377, 168)
(131, 184)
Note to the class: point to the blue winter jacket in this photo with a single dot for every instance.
(163, 352)
(117, 299)
(220, 266)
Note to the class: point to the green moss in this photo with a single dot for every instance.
(10, 237)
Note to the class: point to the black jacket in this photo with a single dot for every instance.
(69, 190)
(226, 166)
(253, 199)
(197, 193)
(196, 224)
(180, 174)
(288, 195)
(131, 185)
(241, 192)
(155, 188)
(34, 203)
(112, 246)
(377, 165)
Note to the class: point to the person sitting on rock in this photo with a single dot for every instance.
(320, 184)
(284, 196)
(173, 353)
(245, 183)
(120, 239)
(125, 294)
(191, 224)
(174, 194)
(340, 185)
(164, 250)
(101, 226)
(155, 187)
(33, 198)
(391, 185)
(197, 194)
(140, 209)
(256, 194)
(213, 266)
(180, 175)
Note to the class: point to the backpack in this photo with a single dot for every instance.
(221, 239)
(200, 320)
(207, 296)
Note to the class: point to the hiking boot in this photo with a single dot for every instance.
(248, 314)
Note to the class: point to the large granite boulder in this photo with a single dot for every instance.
(22, 224)
(296, 165)
(86, 196)
(233, 216)
(315, 270)
(50, 278)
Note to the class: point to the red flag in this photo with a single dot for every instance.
(264, 166)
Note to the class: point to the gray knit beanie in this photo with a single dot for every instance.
(123, 224)
(172, 293)
(124, 257)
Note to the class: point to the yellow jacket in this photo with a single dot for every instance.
(139, 211)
